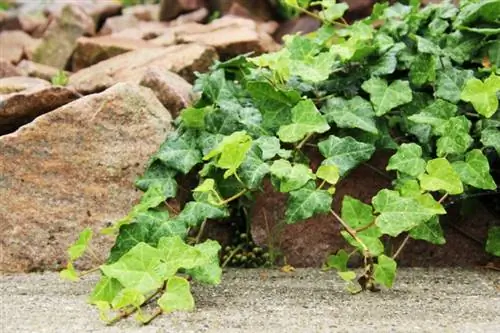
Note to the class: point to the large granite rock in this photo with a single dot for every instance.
(74, 168)
(7, 69)
(90, 51)
(23, 98)
(16, 44)
(170, 9)
(60, 38)
(33, 69)
(147, 12)
(181, 59)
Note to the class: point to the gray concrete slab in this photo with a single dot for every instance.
(258, 301)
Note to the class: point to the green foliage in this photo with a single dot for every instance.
(424, 84)
(60, 79)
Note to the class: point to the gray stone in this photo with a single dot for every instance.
(33, 69)
(74, 168)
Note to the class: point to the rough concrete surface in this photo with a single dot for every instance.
(423, 300)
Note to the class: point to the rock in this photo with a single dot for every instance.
(15, 45)
(33, 69)
(74, 168)
(302, 24)
(147, 12)
(97, 10)
(231, 36)
(60, 38)
(9, 20)
(170, 9)
(170, 37)
(197, 16)
(145, 30)
(358, 9)
(171, 89)
(181, 59)
(22, 99)
(118, 23)
(260, 10)
(7, 69)
(308, 243)
(90, 51)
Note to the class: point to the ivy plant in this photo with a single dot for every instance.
(421, 82)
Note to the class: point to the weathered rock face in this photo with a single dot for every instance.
(74, 168)
(90, 51)
(33, 69)
(171, 89)
(256, 9)
(60, 38)
(118, 23)
(147, 12)
(14, 45)
(22, 99)
(181, 59)
(170, 9)
(7, 69)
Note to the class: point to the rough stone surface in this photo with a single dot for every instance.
(22, 99)
(260, 10)
(33, 69)
(7, 69)
(74, 168)
(98, 10)
(269, 301)
(147, 12)
(60, 38)
(14, 45)
(302, 24)
(90, 51)
(118, 23)
(195, 16)
(144, 30)
(181, 59)
(171, 89)
(170, 9)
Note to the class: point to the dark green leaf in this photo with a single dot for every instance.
(306, 202)
(354, 113)
(161, 176)
(179, 152)
(386, 97)
(475, 171)
(429, 231)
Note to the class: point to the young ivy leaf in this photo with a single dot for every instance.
(337, 261)
(440, 176)
(305, 120)
(408, 159)
(128, 297)
(429, 231)
(210, 271)
(482, 95)
(160, 176)
(333, 11)
(69, 273)
(194, 213)
(345, 153)
(176, 254)
(208, 185)
(231, 152)
(475, 171)
(490, 137)
(455, 137)
(179, 152)
(329, 173)
(450, 82)
(385, 271)
(291, 177)
(105, 290)
(177, 296)
(253, 169)
(77, 249)
(269, 145)
(354, 113)
(307, 201)
(195, 117)
(399, 214)
(493, 241)
(436, 115)
(386, 97)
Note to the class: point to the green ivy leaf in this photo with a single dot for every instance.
(345, 153)
(423, 69)
(194, 213)
(450, 82)
(426, 46)
(128, 297)
(105, 290)
(429, 231)
(333, 11)
(137, 269)
(160, 176)
(179, 152)
(440, 176)
(353, 113)
(177, 297)
(176, 254)
(269, 145)
(455, 137)
(475, 171)
(482, 95)
(77, 249)
(231, 152)
(305, 120)
(253, 169)
(329, 173)
(337, 261)
(490, 137)
(195, 117)
(314, 70)
(436, 115)
(408, 159)
(493, 241)
(291, 177)
(307, 201)
(399, 214)
(386, 97)
(69, 273)
(385, 271)
(210, 271)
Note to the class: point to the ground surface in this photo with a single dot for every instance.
(423, 300)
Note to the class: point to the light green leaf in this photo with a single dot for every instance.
(291, 177)
(482, 95)
(399, 214)
(386, 97)
(450, 82)
(429, 231)
(208, 185)
(490, 137)
(408, 159)
(160, 176)
(194, 213)
(455, 137)
(408, 187)
(128, 297)
(269, 145)
(305, 120)
(209, 272)
(353, 113)
(440, 176)
(385, 271)
(77, 249)
(347, 276)
(475, 171)
(137, 269)
(195, 117)
(314, 70)
(231, 152)
(179, 152)
(345, 153)
(337, 261)
(176, 254)
(330, 173)
(105, 290)
(69, 273)
(436, 115)
(177, 297)
(307, 201)
(333, 11)
(426, 46)
(493, 241)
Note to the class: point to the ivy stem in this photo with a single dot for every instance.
(200, 232)
(378, 171)
(239, 247)
(155, 314)
(372, 223)
(352, 232)
(316, 16)
(407, 238)
(172, 209)
(90, 271)
(93, 255)
(234, 197)
(302, 143)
